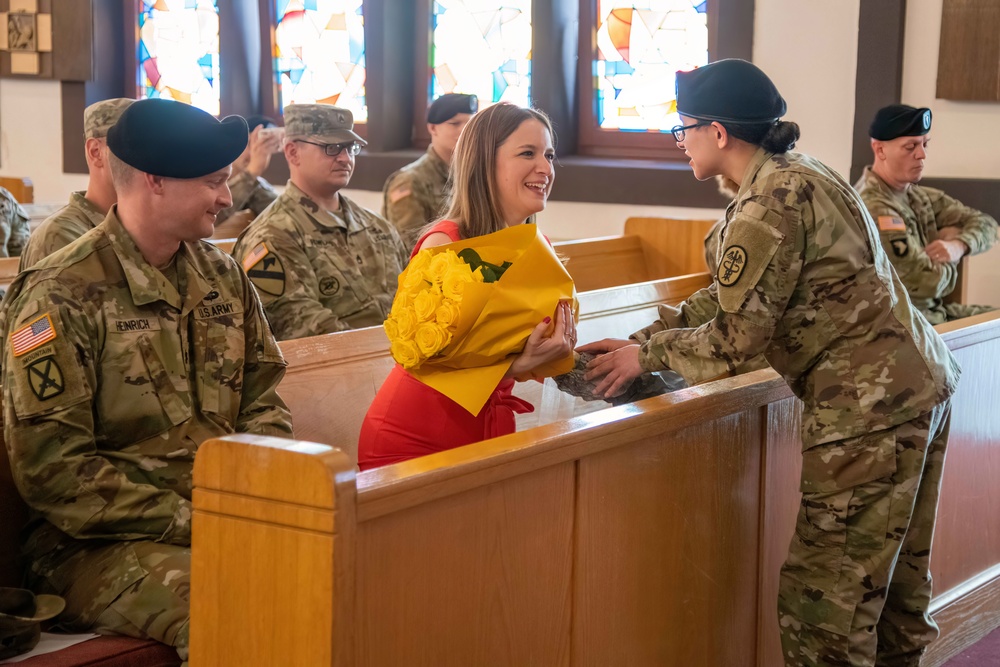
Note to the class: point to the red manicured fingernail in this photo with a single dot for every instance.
(547, 320)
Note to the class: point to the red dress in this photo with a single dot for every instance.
(408, 419)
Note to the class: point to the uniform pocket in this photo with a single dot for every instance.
(220, 384)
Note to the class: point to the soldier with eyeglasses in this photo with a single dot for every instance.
(321, 262)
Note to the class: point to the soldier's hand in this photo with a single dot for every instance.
(946, 251)
(618, 369)
(602, 346)
(949, 233)
(262, 146)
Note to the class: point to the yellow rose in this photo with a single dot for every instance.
(420, 261)
(477, 275)
(406, 324)
(431, 339)
(405, 353)
(425, 303)
(391, 329)
(414, 279)
(440, 264)
(447, 313)
(453, 285)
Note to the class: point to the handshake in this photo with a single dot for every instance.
(646, 385)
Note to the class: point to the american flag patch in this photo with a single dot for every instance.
(887, 223)
(257, 254)
(32, 335)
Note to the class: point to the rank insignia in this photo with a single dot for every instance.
(265, 270)
(45, 378)
(734, 260)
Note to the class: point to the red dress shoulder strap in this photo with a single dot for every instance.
(449, 227)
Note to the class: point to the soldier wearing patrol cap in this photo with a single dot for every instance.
(802, 279)
(416, 194)
(85, 210)
(121, 354)
(321, 262)
(924, 232)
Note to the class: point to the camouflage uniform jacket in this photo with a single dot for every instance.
(14, 225)
(255, 194)
(319, 271)
(415, 196)
(60, 229)
(908, 221)
(803, 280)
(113, 377)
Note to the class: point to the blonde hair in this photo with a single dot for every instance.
(474, 203)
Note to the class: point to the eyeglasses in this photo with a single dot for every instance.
(333, 150)
(678, 130)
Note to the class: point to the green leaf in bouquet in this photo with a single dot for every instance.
(470, 257)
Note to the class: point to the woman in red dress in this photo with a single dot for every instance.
(502, 174)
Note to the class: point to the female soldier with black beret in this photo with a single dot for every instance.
(803, 280)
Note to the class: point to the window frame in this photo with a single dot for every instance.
(723, 18)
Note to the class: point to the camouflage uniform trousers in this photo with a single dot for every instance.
(856, 586)
(957, 311)
(154, 606)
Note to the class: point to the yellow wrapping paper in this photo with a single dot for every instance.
(496, 318)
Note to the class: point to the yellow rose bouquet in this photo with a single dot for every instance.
(464, 309)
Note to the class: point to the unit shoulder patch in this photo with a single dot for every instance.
(45, 378)
(734, 260)
(265, 270)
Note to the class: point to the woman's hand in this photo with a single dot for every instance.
(543, 345)
(618, 366)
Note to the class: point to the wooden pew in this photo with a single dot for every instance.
(22, 188)
(225, 245)
(650, 249)
(234, 224)
(8, 270)
(360, 362)
(605, 539)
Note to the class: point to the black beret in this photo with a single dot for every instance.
(255, 121)
(448, 106)
(900, 120)
(176, 140)
(730, 90)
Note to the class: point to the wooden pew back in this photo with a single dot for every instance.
(606, 539)
(22, 188)
(232, 226)
(331, 380)
(650, 249)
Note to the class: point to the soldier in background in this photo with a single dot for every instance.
(321, 262)
(14, 225)
(122, 353)
(85, 210)
(247, 184)
(803, 280)
(924, 232)
(416, 194)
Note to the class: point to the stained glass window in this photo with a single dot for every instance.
(178, 51)
(640, 47)
(319, 54)
(483, 48)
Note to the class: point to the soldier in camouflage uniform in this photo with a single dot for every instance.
(87, 209)
(924, 232)
(247, 185)
(14, 227)
(321, 262)
(803, 279)
(416, 194)
(122, 353)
